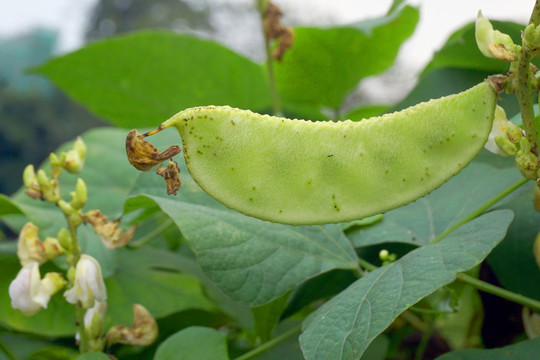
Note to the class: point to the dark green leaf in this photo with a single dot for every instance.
(344, 326)
(421, 221)
(520, 351)
(267, 315)
(513, 260)
(194, 343)
(255, 261)
(141, 79)
(324, 65)
(55, 352)
(8, 207)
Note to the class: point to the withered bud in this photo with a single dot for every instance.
(111, 235)
(143, 332)
(170, 174)
(274, 29)
(143, 155)
(33, 189)
(285, 42)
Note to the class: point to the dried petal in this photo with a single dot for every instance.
(170, 174)
(111, 236)
(143, 155)
(143, 332)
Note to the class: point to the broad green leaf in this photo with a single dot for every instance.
(255, 261)
(93, 356)
(56, 352)
(523, 350)
(194, 343)
(423, 220)
(346, 325)
(365, 112)
(8, 207)
(267, 315)
(461, 51)
(325, 64)
(21, 346)
(143, 78)
(513, 260)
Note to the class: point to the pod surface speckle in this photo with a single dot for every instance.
(303, 172)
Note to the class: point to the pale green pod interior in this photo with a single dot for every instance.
(303, 172)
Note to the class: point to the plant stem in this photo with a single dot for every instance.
(535, 15)
(523, 88)
(79, 310)
(10, 355)
(523, 94)
(276, 105)
(479, 211)
(498, 291)
(270, 344)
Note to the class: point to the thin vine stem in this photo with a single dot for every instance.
(498, 291)
(479, 211)
(270, 344)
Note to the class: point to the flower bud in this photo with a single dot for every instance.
(143, 332)
(531, 323)
(49, 188)
(64, 239)
(80, 196)
(30, 182)
(536, 248)
(504, 135)
(29, 293)
(526, 161)
(88, 285)
(74, 158)
(493, 43)
(94, 319)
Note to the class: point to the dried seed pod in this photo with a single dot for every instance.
(303, 172)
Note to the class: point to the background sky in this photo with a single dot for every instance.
(437, 20)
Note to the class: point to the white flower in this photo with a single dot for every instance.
(504, 135)
(493, 43)
(89, 285)
(29, 293)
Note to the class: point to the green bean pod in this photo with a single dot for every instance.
(304, 172)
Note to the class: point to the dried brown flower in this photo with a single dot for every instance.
(274, 29)
(143, 332)
(143, 155)
(170, 174)
(111, 236)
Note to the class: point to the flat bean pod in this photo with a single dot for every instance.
(303, 172)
